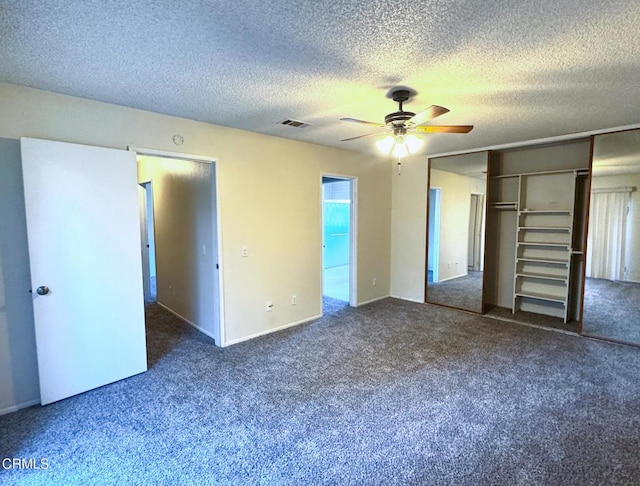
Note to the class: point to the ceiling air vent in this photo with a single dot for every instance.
(294, 123)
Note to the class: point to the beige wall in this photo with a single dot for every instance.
(409, 230)
(269, 195)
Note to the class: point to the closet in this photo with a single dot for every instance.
(535, 227)
(537, 265)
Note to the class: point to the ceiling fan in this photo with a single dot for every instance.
(401, 126)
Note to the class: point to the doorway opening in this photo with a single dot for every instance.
(180, 238)
(433, 259)
(147, 231)
(338, 242)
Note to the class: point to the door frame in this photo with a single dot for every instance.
(150, 237)
(219, 331)
(144, 236)
(435, 244)
(353, 238)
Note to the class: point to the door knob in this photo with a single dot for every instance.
(42, 290)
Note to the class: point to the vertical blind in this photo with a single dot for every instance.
(607, 233)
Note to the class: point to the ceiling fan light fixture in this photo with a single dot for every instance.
(413, 143)
(386, 144)
(399, 145)
(400, 149)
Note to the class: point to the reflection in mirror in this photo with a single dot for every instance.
(612, 286)
(455, 251)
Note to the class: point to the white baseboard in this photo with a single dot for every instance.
(19, 406)
(206, 333)
(451, 278)
(360, 304)
(417, 301)
(262, 333)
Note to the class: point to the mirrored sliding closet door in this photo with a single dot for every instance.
(612, 284)
(456, 228)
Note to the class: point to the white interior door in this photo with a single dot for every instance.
(84, 245)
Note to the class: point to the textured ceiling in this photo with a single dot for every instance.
(517, 70)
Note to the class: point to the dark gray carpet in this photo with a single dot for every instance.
(332, 306)
(462, 292)
(612, 309)
(390, 393)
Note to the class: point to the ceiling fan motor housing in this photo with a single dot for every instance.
(399, 117)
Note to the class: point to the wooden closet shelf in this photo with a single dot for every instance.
(545, 228)
(544, 260)
(542, 276)
(566, 212)
(563, 246)
(541, 296)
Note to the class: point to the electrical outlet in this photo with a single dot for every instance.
(374, 281)
(269, 306)
(294, 300)
(244, 251)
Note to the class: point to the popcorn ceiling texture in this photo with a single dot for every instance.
(516, 70)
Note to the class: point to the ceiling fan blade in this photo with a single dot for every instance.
(444, 129)
(429, 114)
(355, 120)
(360, 136)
